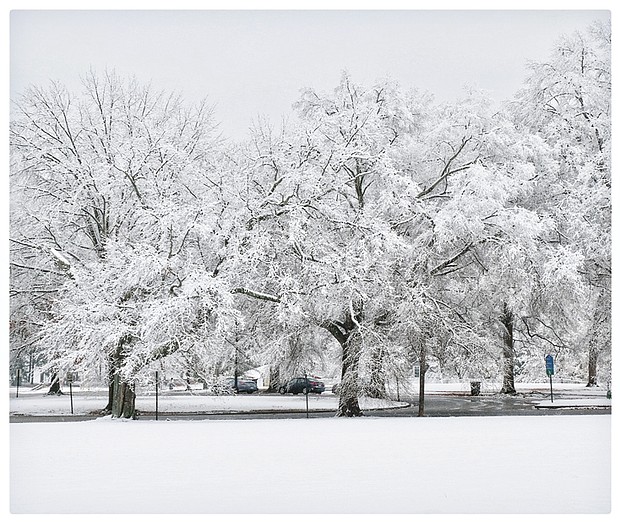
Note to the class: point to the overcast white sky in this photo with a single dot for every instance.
(255, 62)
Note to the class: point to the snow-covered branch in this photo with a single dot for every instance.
(256, 295)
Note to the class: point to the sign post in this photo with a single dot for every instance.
(70, 379)
(550, 372)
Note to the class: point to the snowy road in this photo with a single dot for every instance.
(266, 406)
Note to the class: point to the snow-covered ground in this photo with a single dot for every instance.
(583, 402)
(546, 464)
(38, 403)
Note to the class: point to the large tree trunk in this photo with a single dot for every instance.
(55, 385)
(348, 405)
(348, 335)
(121, 394)
(507, 320)
(274, 379)
(592, 363)
(124, 402)
(599, 336)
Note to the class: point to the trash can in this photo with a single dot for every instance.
(475, 387)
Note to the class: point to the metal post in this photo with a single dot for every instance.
(307, 393)
(551, 386)
(550, 371)
(397, 391)
(17, 394)
(422, 379)
(71, 394)
(236, 356)
(156, 395)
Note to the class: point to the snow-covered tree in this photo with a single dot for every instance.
(566, 101)
(392, 200)
(109, 189)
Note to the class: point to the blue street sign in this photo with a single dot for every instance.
(549, 364)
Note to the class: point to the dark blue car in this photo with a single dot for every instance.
(243, 385)
(302, 385)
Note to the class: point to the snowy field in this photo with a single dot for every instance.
(363, 465)
(360, 465)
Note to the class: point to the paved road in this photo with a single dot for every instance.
(435, 406)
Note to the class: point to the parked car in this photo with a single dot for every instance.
(243, 385)
(303, 385)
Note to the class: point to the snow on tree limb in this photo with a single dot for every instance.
(256, 295)
(61, 259)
